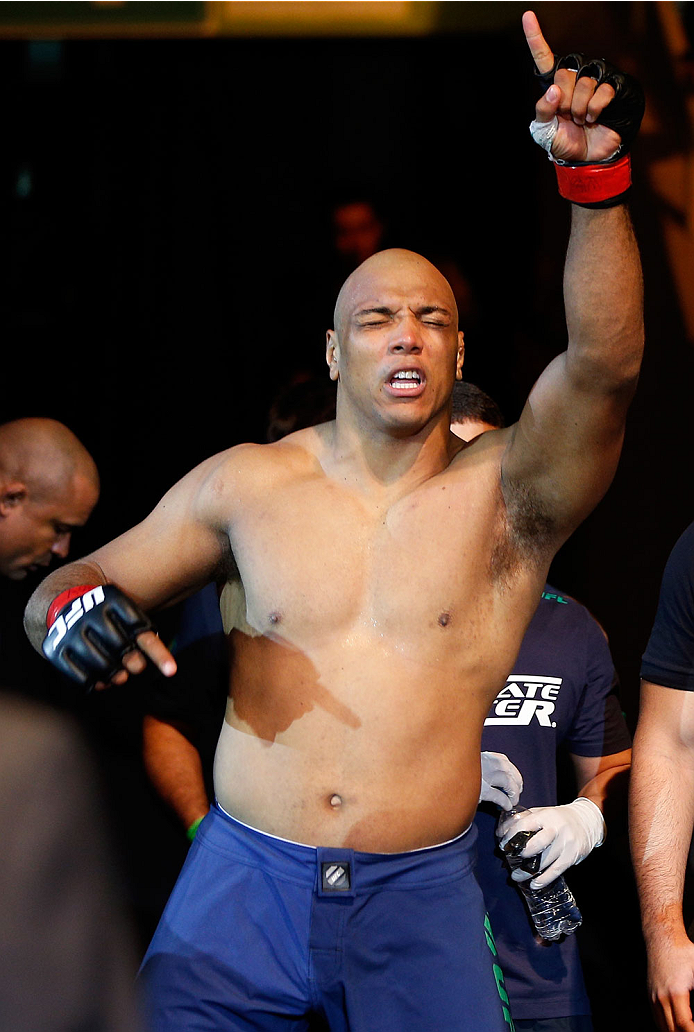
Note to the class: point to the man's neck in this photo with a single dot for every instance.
(374, 460)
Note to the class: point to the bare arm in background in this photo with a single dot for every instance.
(661, 823)
(603, 779)
(174, 766)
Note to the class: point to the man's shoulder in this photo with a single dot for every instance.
(250, 464)
(482, 453)
(302, 446)
(682, 555)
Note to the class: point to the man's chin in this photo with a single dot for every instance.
(19, 573)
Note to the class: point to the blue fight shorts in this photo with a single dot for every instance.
(268, 935)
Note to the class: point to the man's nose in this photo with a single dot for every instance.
(406, 338)
(61, 546)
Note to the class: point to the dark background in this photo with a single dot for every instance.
(167, 266)
(166, 254)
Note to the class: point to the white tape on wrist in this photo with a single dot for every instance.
(543, 133)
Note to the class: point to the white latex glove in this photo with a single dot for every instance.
(565, 836)
(502, 782)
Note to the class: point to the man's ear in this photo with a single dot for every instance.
(461, 356)
(332, 354)
(12, 494)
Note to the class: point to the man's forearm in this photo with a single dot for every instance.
(70, 576)
(661, 818)
(603, 294)
(174, 766)
(608, 789)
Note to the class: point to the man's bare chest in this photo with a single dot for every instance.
(315, 557)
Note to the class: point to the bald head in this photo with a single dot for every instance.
(49, 485)
(409, 271)
(44, 454)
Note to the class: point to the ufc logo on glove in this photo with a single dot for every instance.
(80, 606)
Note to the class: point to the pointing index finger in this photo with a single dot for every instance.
(154, 648)
(543, 55)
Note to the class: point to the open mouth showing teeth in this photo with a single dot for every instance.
(406, 379)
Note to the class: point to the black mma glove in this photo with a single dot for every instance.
(625, 111)
(90, 630)
(601, 184)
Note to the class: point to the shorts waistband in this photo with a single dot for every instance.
(310, 865)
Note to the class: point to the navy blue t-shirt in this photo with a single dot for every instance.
(669, 655)
(560, 693)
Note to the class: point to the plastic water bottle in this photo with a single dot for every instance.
(553, 909)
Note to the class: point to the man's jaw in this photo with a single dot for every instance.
(17, 573)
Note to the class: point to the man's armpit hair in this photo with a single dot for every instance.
(529, 533)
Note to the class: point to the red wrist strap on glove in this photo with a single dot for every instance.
(595, 186)
(62, 600)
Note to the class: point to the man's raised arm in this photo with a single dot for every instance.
(94, 610)
(563, 452)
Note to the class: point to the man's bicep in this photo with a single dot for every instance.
(159, 563)
(565, 447)
(178, 548)
(666, 720)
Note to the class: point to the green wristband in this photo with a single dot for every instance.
(190, 833)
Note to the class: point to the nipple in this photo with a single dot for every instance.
(336, 801)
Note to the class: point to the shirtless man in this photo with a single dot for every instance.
(390, 571)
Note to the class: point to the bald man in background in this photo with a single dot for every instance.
(49, 485)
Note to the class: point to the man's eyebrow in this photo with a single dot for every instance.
(378, 310)
(385, 310)
(67, 525)
(427, 309)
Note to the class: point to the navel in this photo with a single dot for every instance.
(335, 801)
(275, 617)
(444, 619)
